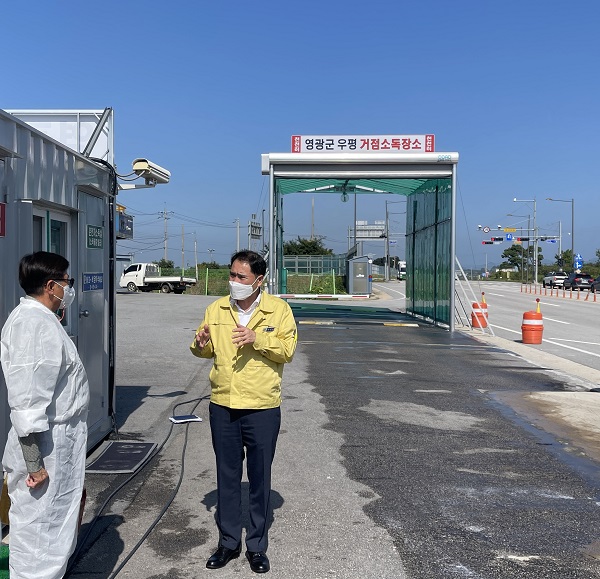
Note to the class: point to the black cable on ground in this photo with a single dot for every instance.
(164, 509)
(140, 468)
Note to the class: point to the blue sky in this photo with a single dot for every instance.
(204, 88)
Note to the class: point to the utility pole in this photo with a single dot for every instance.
(355, 222)
(535, 246)
(387, 244)
(165, 218)
(196, 253)
(535, 237)
(182, 254)
(237, 221)
(312, 220)
(560, 240)
(527, 263)
(572, 202)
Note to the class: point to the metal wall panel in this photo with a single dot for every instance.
(428, 250)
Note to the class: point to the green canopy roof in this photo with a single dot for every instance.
(286, 185)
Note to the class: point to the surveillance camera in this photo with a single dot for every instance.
(151, 172)
(499, 226)
(479, 227)
(515, 199)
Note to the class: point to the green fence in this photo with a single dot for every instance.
(215, 282)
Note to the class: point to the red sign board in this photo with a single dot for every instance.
(2, 219)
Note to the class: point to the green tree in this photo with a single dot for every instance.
(303, 246)
(165, 263)
(522, 258)
(567, 259)
(514, 256)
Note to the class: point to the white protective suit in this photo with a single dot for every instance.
(48, 393)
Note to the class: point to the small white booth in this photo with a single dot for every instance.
(55, 199)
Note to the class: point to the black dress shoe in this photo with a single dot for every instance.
(222, 556)
(259, 562)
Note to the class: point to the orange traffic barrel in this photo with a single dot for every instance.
(532, 328)
(479, 315)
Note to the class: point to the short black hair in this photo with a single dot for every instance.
(258, 265)
(36, 269)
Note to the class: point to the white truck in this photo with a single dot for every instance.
(554, 279)
(401, 270)
(146, 277)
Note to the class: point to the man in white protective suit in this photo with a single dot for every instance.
(48, 395)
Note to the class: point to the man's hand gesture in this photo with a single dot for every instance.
(202, 337)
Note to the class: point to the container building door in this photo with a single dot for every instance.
(92, 310)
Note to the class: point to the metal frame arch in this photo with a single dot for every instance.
(400, 173)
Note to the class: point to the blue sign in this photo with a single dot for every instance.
(509, 237)
(578, 257)
(93, 281)
(578, 264)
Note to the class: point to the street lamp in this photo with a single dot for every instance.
(572, 202)
(535, 237)
(210, 252)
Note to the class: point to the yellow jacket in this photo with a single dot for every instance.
(249, 376)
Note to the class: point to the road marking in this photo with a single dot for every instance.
(549, 304)
(385, 288)
(557, 321)
(491, 294)
(578, 342)
(553, 343)
(506, 329)
(572, 348)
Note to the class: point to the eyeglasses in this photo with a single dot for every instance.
(70, 281)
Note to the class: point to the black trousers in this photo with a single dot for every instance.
(232, 431)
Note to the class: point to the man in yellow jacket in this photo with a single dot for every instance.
(251, 335)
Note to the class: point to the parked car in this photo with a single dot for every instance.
(554, 279)
(578, 281)
(595, 285)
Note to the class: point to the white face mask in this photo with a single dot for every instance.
(240, 291)
(68, 296)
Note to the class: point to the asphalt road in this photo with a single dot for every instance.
(570, 320)
(405, 451)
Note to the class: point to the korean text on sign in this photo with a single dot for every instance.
(93, 281)
(363, 144)
(95, 237)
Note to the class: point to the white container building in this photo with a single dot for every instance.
(53, 198)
